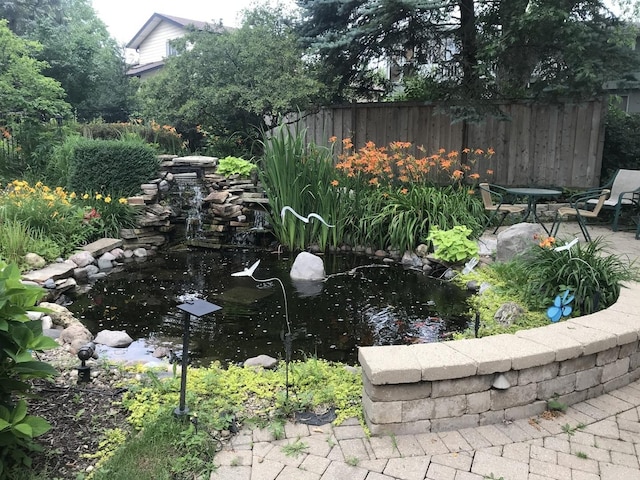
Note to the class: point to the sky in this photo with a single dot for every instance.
(125, 17)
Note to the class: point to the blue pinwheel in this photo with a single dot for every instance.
(560, 307)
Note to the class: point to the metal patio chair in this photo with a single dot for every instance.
(625, 192)
(578, 208)
(489, 193)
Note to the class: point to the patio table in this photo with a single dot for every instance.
(533, 195)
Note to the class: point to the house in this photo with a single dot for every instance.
(152, 42)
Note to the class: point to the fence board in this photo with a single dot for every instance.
(558, 144)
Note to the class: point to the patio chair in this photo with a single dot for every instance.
(625, 191)
(578, 208)
(489, 193)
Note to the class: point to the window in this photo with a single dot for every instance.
(171, 50)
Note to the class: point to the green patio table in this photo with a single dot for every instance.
(533, 195)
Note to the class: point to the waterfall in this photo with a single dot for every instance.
(194, 219)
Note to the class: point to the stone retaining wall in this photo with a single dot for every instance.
(450, 385)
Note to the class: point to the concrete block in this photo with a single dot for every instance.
(450, 406)
(412, 428)
(491, 417)
(461, 386)
(588, 378)
(556, 386)
(616, 383)
(629, 300)
(398, 392)
(624, 332)
(538, 374)
(390, 365)
(413, 410)
(628, 349)
(592, 340)
(564, 347)
(478, 402)
(523, 411)
(489, 353)
(382, 412)
(455, 423)
(513, 397)
(616, 369)
(577, 364)
(608, 356)
(438, 361)
(573, 397)
(634, 361)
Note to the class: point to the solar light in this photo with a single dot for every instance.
(197, 308)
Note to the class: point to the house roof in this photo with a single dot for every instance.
(147, 67)
(158, 18)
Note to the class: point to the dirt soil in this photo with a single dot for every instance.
(78, 412)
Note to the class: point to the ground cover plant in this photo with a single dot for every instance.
(53, 222)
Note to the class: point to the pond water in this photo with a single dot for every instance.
(363, 302)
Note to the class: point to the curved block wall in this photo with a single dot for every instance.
(450, 385)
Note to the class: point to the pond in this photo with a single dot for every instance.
(363, 302)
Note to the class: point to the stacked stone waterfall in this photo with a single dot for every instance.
(227, 206)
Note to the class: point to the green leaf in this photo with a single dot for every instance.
(24, 429)
(4, 325)
(4, 424)
(38, 425)
(43, 343)
(19, 412)
(36, 369)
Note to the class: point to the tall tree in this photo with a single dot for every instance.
(232, 80)
(25, 93)
(472, 50)
(79, 52)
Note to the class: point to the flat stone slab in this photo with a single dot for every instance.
(102, 245)
(390, 365)
(487, 352)
(592, 340)
(438, 361)
(54, 271)
(624, 332)
(565, 347)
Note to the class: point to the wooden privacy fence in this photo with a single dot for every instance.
(557, 144)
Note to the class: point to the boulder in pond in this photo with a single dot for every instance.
(307, 266)
(114, 338)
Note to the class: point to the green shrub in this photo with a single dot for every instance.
(108, 166)
(19, 337)
(621, 142)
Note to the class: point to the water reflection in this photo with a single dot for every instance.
(360, 304)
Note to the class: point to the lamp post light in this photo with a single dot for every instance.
(198, 308)
(248, 272)
(85, 353)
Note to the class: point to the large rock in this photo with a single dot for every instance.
(307, 266)
(264, 361)
(60, 315)
(113, 338)
(518, 240)
(54, 271)
(33, 260)
(75, 335)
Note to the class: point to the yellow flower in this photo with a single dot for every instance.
(98, 196)
(107, 199)
(85, 196)
(123, 201)
(72, 195)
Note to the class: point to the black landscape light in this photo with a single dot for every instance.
(85, 353)
(198, 308)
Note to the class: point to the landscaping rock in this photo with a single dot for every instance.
(33, 260)
(411, 259)
(508, 313)
(82, 259)
(264, 361)
(105, 262)
(517, 240)
(53, 271)
(307, 266)
(113, 338)
(59, 315)
(75, 335)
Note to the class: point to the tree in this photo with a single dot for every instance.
(472, 51)
(232, 81)
(25, 93)
(79, 53)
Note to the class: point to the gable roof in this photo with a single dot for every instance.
(158, 18)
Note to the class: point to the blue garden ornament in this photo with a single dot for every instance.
(560, 307)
